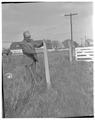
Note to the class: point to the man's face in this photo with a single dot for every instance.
(27, 40)
(27, 35)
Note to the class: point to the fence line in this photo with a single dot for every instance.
(80, 53)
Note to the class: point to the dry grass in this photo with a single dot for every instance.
(71, 93)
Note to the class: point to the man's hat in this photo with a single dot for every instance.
(26, 34)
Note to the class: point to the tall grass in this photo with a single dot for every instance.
(73, 83)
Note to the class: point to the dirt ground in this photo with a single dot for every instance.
(70, 95)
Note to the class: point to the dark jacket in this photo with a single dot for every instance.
(28, 47)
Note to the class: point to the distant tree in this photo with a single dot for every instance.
(68, 41)
(89, 42)
(6, 51)
(56, 44)
(48, 44)
(14, 46)
(60, 45)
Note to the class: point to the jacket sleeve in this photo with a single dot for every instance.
(38, 44)
(26, 48)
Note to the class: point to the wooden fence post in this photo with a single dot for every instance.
(46, 66)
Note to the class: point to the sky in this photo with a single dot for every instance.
(46, 21)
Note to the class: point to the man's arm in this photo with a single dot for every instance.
(26, 48)
(38, 43)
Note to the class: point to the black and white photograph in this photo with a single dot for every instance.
(47, 60)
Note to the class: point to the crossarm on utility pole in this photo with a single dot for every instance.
(71, 14)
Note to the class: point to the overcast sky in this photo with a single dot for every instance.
(46, 21)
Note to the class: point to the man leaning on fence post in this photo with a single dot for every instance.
(30, 56)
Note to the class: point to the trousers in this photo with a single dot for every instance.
(31, 71)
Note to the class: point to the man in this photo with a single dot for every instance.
(29, 54)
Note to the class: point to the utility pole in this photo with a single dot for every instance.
(85, 40)
(71, 45)
(81, 42)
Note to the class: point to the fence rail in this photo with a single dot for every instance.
(40, 50)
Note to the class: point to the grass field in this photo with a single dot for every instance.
(71, 94)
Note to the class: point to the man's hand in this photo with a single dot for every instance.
(44, 41)
(21, 43)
